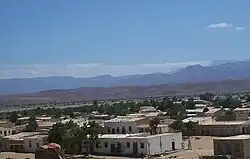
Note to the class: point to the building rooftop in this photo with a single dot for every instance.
(20, 136)
(46, 123)
(197, 119)
(242, 109)
(124, 119)
(213, 110)
(36, 136)
(199, 110)
(132, 136)
(223, 123)
(237, 137)
(147, 125)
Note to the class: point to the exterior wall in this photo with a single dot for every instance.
(235, 148)
(124, 150)
(5, 131)
(150, 145)
(12, 145)
(246, 148)
(219, 130)
(241, 115)
(159, 129)
(32, 144)
(115, 126)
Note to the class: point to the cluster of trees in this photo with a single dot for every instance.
(173, 107)
(121, 108)
(70, 135)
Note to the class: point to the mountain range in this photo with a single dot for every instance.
(218, 71)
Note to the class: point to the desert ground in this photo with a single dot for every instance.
(200, 146)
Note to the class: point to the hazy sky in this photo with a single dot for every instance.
(119, 37)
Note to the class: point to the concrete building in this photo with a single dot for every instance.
(241, 113)
(15, 143)
(214, 112)
(206, 126)
(125, 124)
(6, 128)
(161, 128)
(236, 146)
(32, 143)
(138, 144)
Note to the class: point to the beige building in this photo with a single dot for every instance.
(208, 127)
(241, 113)
(15, 143)
(32, 143)
(236, 146)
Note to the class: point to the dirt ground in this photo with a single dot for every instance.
(200, 146)
(4, 155)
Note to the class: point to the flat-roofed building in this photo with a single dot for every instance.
(138, 144)
(6, 128)
(220, 128)
(125, 124)
(15, 142)
(32, 143)
(236, 146)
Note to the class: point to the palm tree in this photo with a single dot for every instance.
(153, 124)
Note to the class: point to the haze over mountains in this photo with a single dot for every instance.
(218, 71)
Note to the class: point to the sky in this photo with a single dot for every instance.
(90, 38)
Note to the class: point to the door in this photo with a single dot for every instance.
(135, 149)
(173, 145)
(112, 148)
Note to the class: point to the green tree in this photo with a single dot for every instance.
(166, 104)
(207, 96)
(248, 98)
(205, 109)
(190, 104)
(177, 125)
(57, 133)
(32, 125)
(13, 117)
(153, 124)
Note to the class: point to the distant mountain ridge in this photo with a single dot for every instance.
(225, 70)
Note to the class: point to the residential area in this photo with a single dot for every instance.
(203, 126)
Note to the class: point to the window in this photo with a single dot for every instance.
(108, 129)
(11, 147)
(37, 145)
(219, 149)
(123, 130)
(128, 145)
(105, 144)
(113, 131)
(129, 128)
(98, 145)
(117, 129)
(237, 147)
(119, 145)
(30, 144)
(142, 145)
(1, 132)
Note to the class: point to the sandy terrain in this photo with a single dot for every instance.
(4, 155)
(202, 146)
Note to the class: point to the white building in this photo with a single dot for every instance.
(32, 143)
(138, 144)
(5, 131)
(6, 128)
(125, 124)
